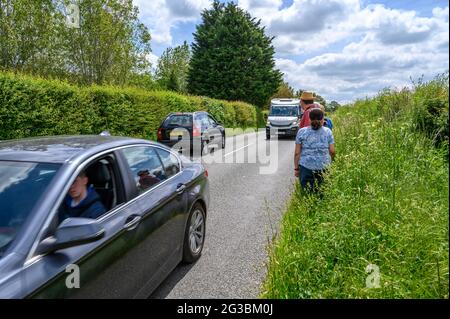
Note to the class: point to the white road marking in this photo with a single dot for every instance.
(238, 149)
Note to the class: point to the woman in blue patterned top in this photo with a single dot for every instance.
(314, 150)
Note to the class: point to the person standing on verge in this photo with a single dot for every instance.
(314, 151)
(307, 104)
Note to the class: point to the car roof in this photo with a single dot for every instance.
(186, 113)
(59, 149)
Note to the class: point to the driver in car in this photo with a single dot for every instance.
(82, 200)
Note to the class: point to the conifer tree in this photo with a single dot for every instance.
(232, 57)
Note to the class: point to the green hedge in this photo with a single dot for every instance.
(36, 107)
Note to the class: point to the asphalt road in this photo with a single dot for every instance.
(245, 209)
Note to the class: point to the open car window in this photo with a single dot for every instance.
(99, 184)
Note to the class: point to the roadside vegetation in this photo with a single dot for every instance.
(96, 56)
(37, 107)
(385, 204)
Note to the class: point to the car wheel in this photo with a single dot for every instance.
(202, 147)
(194, 236)
(223, 140)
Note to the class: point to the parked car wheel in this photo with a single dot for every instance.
(223, 140)
(194, 234)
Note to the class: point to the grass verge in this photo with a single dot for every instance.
(386, 204)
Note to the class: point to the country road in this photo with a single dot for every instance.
(244, 213)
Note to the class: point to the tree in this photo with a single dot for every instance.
(333, 106)
(27, 36)
(173, 67)
(109, 45)
(284, 91)
(232, 58)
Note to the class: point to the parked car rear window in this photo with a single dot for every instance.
(184, 120)
(21, 186)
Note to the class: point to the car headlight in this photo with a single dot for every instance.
(294, 122)
(268, 123)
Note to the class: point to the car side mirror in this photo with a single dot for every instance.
(72, 232)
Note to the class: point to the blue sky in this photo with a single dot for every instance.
(342, 49)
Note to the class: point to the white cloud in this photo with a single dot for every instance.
(153, 59)
(161, 15)
(393, 46)
(353, 50)
(363, 69)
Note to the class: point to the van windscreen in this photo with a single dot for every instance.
(284, 110)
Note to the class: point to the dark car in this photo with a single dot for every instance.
(191, 131)
(155, 204)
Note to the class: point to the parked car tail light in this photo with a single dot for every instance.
(160, 134)
(196, 132)
(206, 173)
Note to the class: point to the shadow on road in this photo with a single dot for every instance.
(171, 281)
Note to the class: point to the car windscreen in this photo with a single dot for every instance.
(279, 110)
(21, 186)
(184, 120)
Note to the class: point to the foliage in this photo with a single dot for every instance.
(27, 36)
(332, 106)
(284, 91)
(232, 58)
(36, 107)
(108, 46)
(385, 203)
(172, 69)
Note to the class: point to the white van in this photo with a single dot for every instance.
(284, 117)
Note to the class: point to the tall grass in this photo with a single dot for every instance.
(386, 203)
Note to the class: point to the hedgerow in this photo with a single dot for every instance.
(37, 107)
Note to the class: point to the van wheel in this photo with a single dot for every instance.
(194, 236)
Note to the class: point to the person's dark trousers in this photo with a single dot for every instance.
(310, 180)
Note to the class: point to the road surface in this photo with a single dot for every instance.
(244, 214)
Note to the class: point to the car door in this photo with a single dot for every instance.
(104, 268)
(157, 246)
(205, 126)
(215, 132)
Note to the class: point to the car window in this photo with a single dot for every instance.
(284, 110)
(170, 162)
(184, 120)
(198, 120)
(21, 186)
(93, 192)
(145, 166)
(211, 121)
(205, 120)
